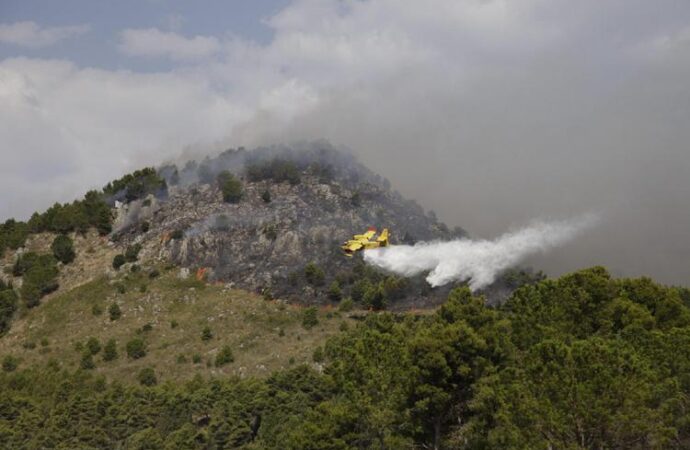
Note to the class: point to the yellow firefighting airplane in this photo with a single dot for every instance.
(365, 241)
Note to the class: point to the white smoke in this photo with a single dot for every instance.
(479, 261)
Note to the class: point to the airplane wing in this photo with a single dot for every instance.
(352, 246)
(369, 234)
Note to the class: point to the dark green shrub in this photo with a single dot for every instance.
(29, 345)
(136, 348)
(8, 306)
(394, 288)
(181, 359)
(136, 185)
(13, 234)
(278, 170)
(318, 355)
(110, 350)
(334, 292)
(24, 263)
(132, 252)
(118, 261)
(10, 363)
(145, 226)
(147, 327)
(206, 334)
(39, 279)
(114, 311)
(196, 358)
(266, 196)
(310, 318)
(147, 377)
(177, 234)
(96, 309)
(224, 357)
(63, 249)
(314, 275)
(346, 305)
(31, 295)
(98, 212)
(93, 346)
(174, 324)
(359, 289)
(45, 342)
(154, 273)
(86, 361)
(375, 297)
(230, 186)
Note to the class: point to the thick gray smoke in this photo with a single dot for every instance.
(478, 261)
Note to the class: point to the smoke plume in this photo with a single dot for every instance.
(479, 261)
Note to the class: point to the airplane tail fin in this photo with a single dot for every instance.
(383, 238)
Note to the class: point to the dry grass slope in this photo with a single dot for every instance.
(263, 335)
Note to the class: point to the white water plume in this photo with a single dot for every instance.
(479, 261)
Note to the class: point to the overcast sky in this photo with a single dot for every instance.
(492, 113)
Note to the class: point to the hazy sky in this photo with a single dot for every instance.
(492, 113)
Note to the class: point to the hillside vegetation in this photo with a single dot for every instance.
(585, 361)
(169, 316)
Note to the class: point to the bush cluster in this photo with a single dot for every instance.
(91, 211)
(314, 274)
(230, 186)
(147, 377)
(310, 318)
(39, 276)
(132, 252)
(8, 306)
(279, 170)
(63, 248)
(224, 356)
(136, 348)
(136, 185)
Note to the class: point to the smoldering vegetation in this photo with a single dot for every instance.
(319, 158)
(282, 236)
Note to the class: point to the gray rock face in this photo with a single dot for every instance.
(259, 245)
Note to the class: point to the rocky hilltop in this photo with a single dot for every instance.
(282, 235)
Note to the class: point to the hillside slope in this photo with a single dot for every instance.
(296, 208)
(169, 315)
